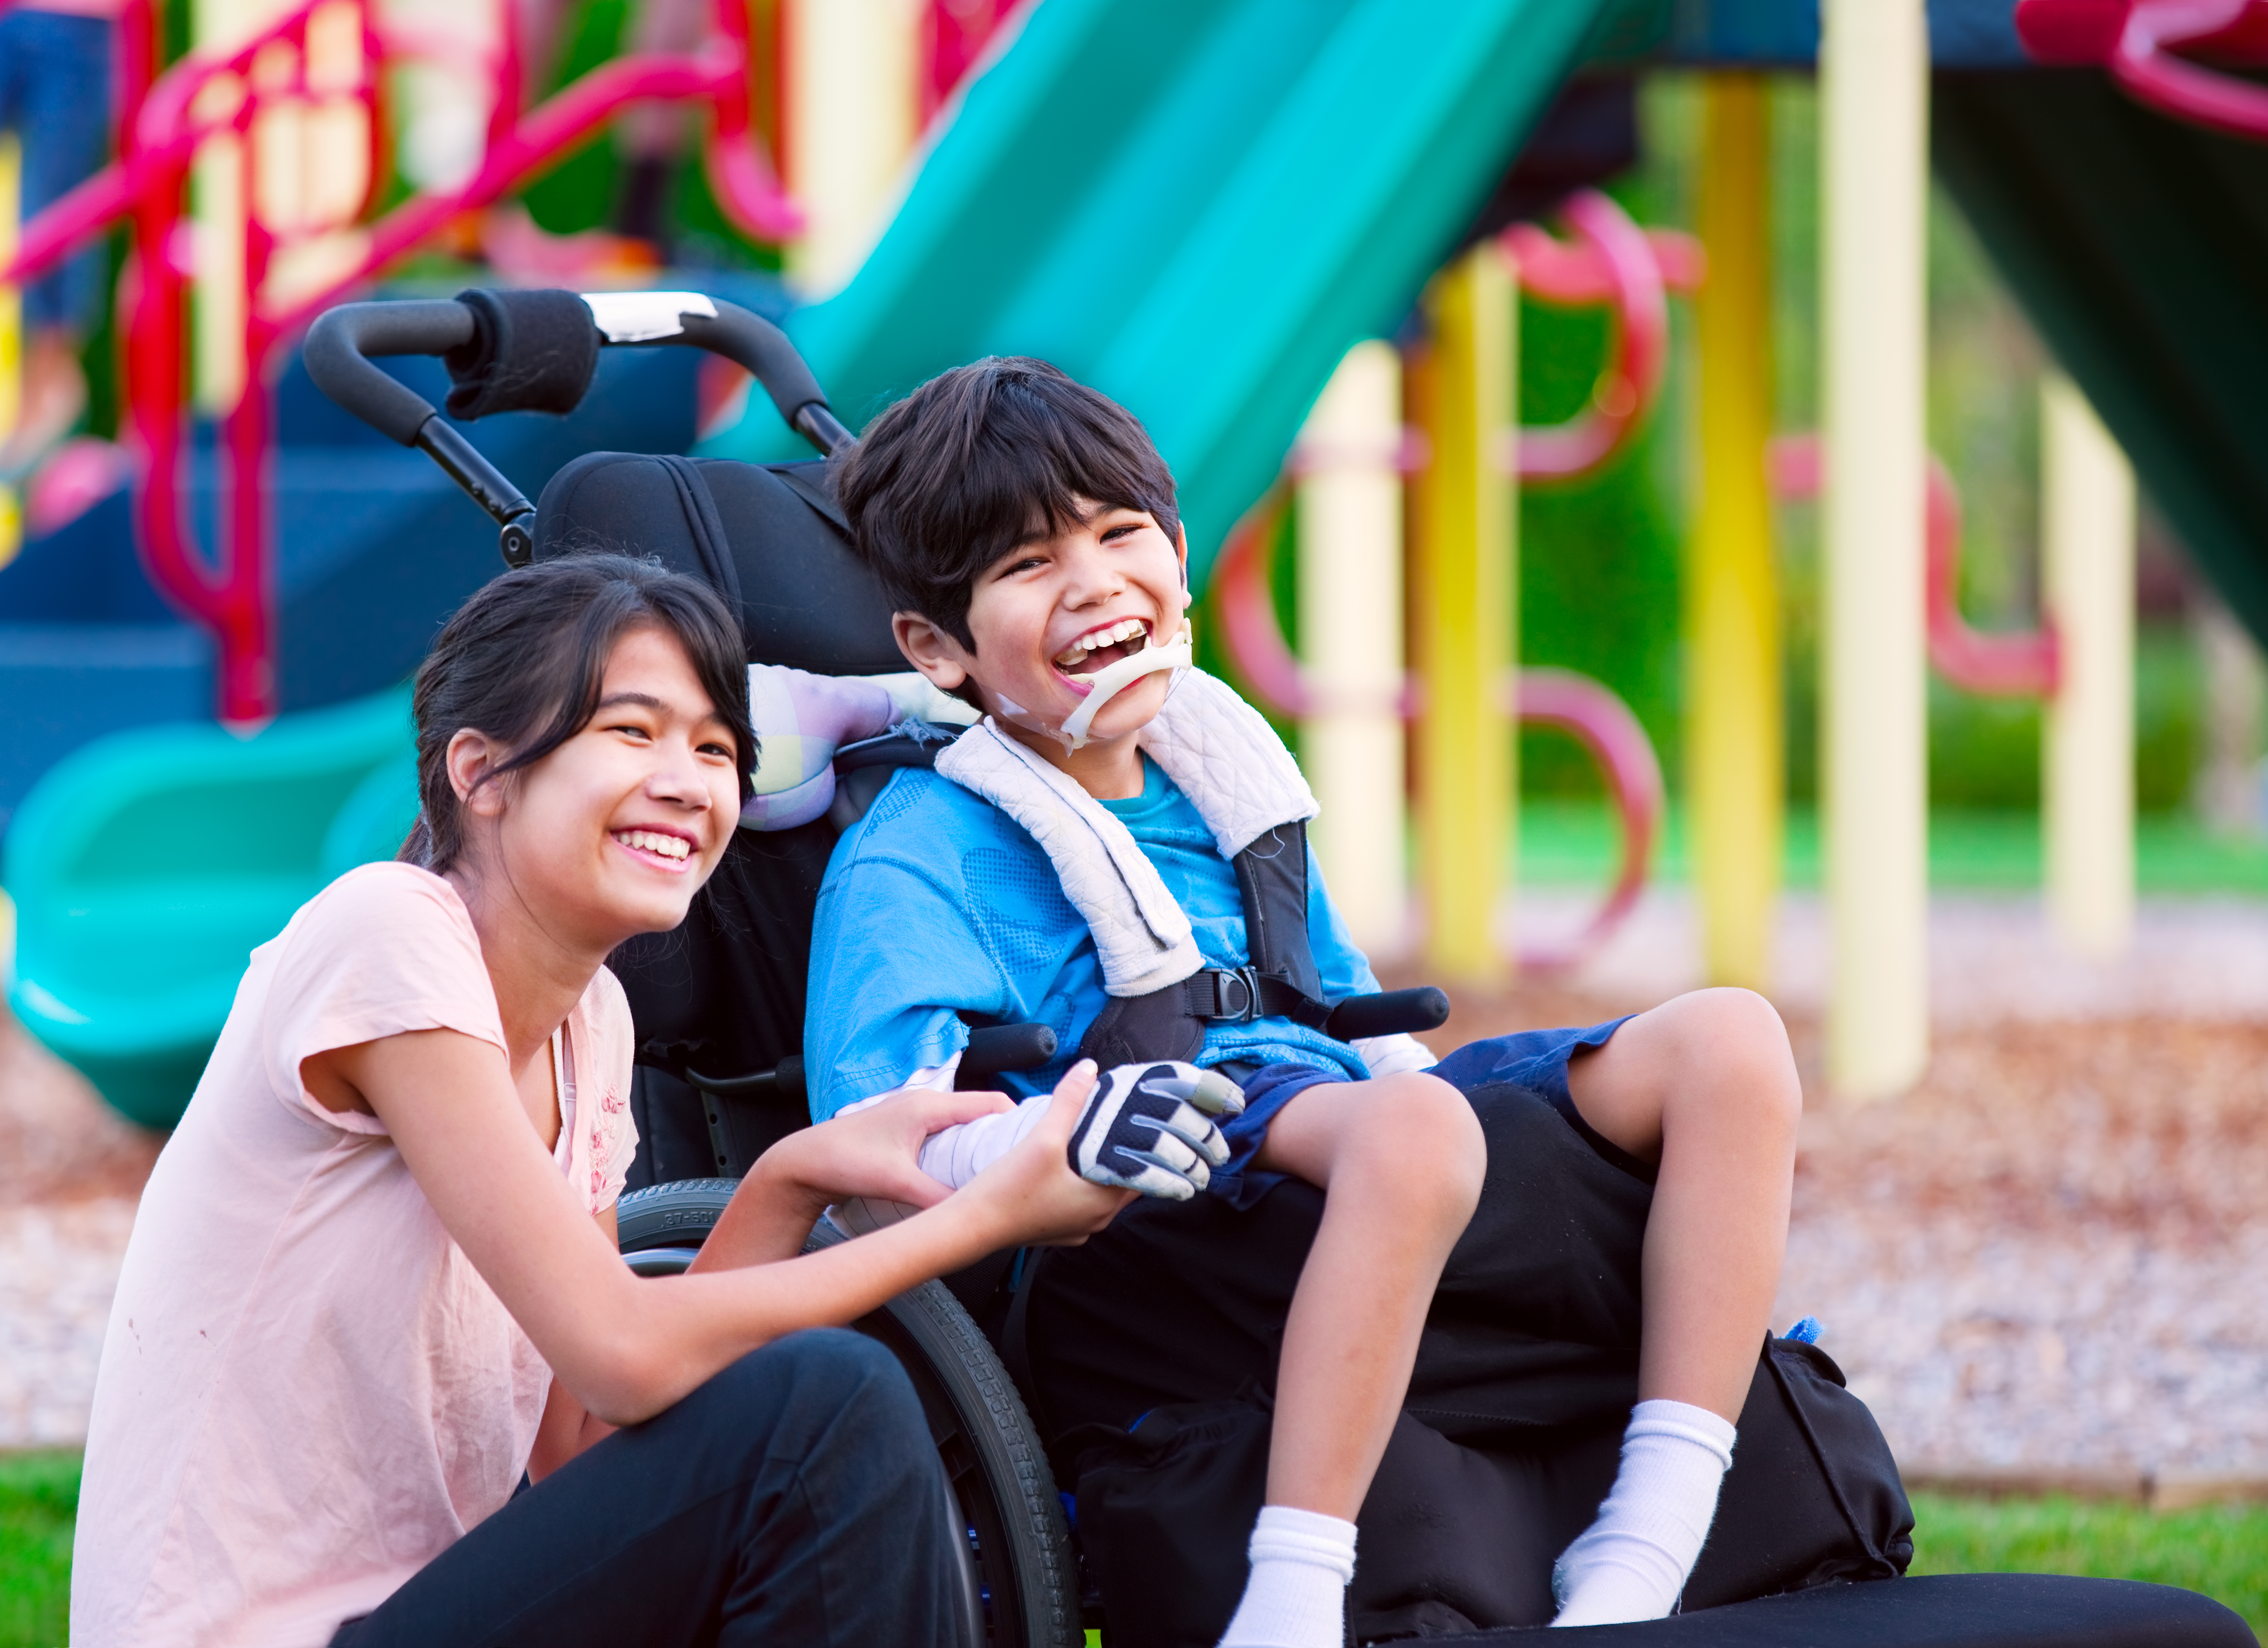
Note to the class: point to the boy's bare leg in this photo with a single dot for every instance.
(1400, 1160)
(1704, 1085)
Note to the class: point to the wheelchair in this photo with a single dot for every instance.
(718, 1004)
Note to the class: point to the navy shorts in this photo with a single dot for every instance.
(1534, 1059)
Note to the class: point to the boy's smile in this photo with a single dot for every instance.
(1049, 617)
(1104, 644)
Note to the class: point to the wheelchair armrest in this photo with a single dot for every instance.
(998, 1048)
(991, 1050)
(1389, 1012)
(784, 1080)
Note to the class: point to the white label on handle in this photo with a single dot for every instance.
(642, 317)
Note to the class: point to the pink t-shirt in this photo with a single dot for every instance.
(306, 1392)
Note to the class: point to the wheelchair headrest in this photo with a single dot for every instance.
(768, 537)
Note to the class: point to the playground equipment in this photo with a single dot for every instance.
(2079, 662)
(2148, 44)
(299, 246)
(1348, 463)
(11, 341)
(1338, 149)
(1873, 85)
(1733, 717)
(1461, 593)
(2087, 789)
(1350, 696)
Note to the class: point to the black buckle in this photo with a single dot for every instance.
(1228, 985)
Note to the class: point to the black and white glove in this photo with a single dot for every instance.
(1149, 1127)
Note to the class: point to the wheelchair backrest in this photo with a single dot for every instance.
(768, 537)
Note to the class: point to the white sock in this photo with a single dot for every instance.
(1632, 1563)
(1296, 1594)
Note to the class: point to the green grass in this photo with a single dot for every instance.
(1566, 842)
(38, 1497)
(2219, 1550)
(2223, 1552)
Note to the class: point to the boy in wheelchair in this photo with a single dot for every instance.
(1542, 1234)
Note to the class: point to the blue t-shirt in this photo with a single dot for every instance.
(940, 904)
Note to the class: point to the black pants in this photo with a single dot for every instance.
(795, 1497)
(1535, 1324)
(1526, 1373)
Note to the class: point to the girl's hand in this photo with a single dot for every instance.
(874, 1150)
(1032, 1190)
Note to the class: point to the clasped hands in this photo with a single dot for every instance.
(1147, 1129)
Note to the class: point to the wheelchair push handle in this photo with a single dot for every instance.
(537, 351)
(338, 350)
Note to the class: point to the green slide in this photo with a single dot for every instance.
(1195, 204)
(149, 865)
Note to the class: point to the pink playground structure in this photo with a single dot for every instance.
(323, 53)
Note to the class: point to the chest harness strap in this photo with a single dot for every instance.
(1280, 980)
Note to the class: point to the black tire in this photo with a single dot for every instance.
(1018, 1542)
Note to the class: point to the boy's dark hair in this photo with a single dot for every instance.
(977, 461)
(524, 659)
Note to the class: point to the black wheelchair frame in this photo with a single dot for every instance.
(1021, 1571)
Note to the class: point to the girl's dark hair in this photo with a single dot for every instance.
(522, 662)
(977, 461)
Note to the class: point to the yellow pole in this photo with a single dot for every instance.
(1736, 777)
(1873, 119)
(1462, 598)
(1351, 743)
(11, 339)
(2087, 565)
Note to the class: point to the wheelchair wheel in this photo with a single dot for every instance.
(1021, 1566)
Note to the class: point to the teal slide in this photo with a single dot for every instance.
(148, 866)
(1196, 205)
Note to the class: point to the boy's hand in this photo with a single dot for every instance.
(1148, 1128)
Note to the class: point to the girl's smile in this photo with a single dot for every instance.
(611, 832)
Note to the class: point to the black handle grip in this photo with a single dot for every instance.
(1389, 1012)
(990, 1051)
(343, 340)
(998, 1048)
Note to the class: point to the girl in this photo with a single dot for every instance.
(373, 1279)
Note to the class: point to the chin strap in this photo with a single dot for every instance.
(1113, 678)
